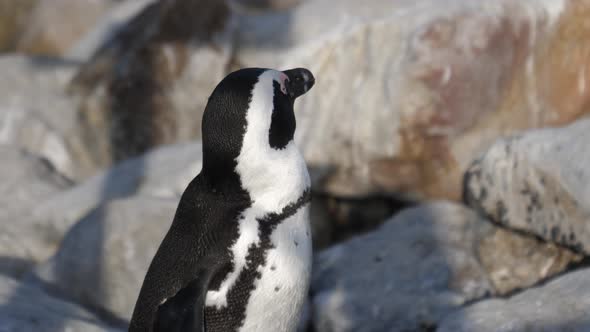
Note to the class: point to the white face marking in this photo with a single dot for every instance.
(306, 79)
(273, 178)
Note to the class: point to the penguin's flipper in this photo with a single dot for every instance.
(184, 311)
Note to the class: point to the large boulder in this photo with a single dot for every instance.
(103, 259)
(560, 305)
(408, 93)
(149, 83)
(420, 266)
(36, 114)
(537, 182)
(164, 172)
(25, 181)
(27, 308)
(14, 17)
(46, 32)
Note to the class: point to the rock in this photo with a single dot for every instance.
(264, 5)
(560, 305)
(103, 259)
(164, 172)
(25, 180)
(537, 183)
(515, 262)
(110, 23)
(26, 308)
(418, 267)
(47, 32)
(35, 112)
(400, 104)
(13, 18)
(149, 84)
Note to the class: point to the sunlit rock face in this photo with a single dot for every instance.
(408, 94)
(537, 183)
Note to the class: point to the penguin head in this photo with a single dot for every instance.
(250, 116)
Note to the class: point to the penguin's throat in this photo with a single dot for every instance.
(275, 180)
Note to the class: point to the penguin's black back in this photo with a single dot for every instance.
(192, 254)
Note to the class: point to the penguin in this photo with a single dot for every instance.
(237, 256)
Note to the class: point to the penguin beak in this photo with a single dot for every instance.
(300, 81)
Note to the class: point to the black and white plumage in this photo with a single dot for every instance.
(238, 254)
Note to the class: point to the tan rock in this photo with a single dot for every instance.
(54, 26)
(14, 16)
(409, 94)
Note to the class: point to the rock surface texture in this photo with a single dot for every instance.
(537, 183)
(25, 181)
(560, 305)
(421, 265)
(103, 259)
(149, 83)
(26, 308)
(163, 173)
(400, 103)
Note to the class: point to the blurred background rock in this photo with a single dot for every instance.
(441, 197)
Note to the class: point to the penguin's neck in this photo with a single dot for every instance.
(273, 178)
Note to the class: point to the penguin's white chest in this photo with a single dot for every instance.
(279, 294)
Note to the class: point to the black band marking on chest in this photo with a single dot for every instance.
(232, 317)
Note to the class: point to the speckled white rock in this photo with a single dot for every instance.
(560, 305)
(103, 259)
(538, 182)
(27, 308)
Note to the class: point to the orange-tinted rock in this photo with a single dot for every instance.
(54, 26)
(409, 94)
(13, 19)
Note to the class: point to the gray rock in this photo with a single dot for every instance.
(103, 259)
(27, 308)
(36, 114)
(106, 28)
(164, 172)
(25, 181)
(421, 265)
(560, 305)
(407, 275)
(537, 183)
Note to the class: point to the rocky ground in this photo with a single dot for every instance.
(448, 146)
